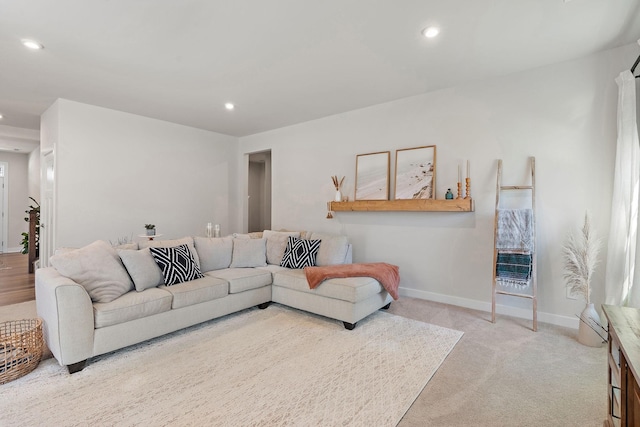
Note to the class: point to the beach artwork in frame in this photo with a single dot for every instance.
(416, 173)
(372, 176)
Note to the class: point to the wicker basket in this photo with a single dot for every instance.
(20, 348)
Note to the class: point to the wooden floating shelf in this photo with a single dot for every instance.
(409, 205)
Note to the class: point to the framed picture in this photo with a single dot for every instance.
(416, 173)
(372, 176)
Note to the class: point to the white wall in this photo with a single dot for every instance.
(564, 115)
(116, 171)
(34, 174)
(16, 185)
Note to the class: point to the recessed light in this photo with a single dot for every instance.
(32, 44)
(431, 32)
(229, 106)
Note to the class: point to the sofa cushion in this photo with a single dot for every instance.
(142, 268)
(98, 268)
(177, 264)
(276, 244)
(248, 253)
(333, 248)
(196, 291)
(300, 253)
(131, 306)
(243, 279)
(352, 289)
(214, 253)
(171, 243)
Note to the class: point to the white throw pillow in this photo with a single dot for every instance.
(214, 253)
(142, 268)
(98, 268)
(249, 253)
(333, 248)
(276, 244)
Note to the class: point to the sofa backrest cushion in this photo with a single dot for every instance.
(249, 253)
(333, 248)
(170, 244)
(276, 244)
(98, 268)
(142, 268)
(132, 246)
(214, 252)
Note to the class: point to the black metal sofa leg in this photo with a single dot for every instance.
(349, 326)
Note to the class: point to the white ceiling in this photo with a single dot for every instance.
(280, 61)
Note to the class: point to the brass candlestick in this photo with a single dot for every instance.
(468, 180)
(459, 190)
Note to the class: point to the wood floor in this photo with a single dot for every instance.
(16, 284)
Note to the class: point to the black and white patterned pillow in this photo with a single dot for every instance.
(177, 264)
(300, 253)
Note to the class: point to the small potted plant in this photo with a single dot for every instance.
(151, 229)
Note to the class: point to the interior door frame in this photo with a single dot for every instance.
(5, 208)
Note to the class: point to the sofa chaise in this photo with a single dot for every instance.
(98, 298)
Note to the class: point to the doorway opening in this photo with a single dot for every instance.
(259, 191)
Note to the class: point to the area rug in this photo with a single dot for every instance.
(273, 367)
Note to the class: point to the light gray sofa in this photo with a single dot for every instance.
(131, 303)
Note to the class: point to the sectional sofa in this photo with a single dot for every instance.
(98, 298)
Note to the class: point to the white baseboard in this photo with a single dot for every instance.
(554, 319)
(14, 250)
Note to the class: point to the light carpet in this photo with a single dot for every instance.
(270, 367)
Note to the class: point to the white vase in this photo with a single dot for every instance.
(589, 324)
(338, 197)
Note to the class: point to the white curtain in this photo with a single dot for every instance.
(622, 282)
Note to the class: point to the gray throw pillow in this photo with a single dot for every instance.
(249, 253)
(98, 268)
(142, 268)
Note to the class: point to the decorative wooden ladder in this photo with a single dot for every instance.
(495, 290)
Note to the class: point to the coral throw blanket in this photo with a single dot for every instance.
(387, 274)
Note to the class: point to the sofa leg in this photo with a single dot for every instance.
(386, 307)
(349, 326)
(264, 305)
(77, 367)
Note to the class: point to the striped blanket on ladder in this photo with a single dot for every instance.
(514, 243)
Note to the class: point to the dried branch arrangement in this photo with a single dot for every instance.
(337, 183)
(580, 259)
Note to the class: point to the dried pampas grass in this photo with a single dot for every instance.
(580, 259)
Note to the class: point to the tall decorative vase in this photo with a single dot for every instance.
(589, 324)
(338, 197)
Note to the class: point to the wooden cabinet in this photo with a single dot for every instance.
(623, 404)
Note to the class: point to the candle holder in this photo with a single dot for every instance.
(459, 190)
(468, 181)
